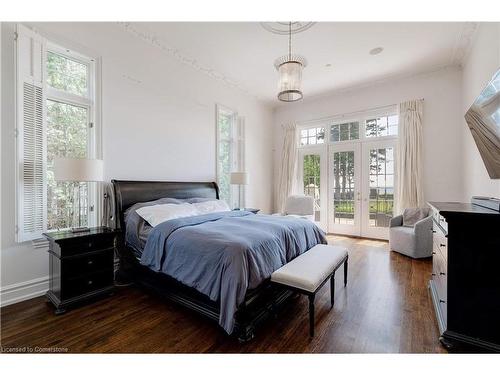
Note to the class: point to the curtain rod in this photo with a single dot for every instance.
(342, 115)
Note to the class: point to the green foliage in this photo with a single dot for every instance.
(66, 137)
(66, 75)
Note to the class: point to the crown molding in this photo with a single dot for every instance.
(464, 43)
(184, 59)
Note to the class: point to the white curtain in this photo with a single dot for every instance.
(409, 184)
(288, 170)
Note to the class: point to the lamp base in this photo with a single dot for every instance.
(80, 229)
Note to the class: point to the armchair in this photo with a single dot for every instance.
(299, 206)
(415, 242)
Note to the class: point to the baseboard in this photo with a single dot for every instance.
(15, 293)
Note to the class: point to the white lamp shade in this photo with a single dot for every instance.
(78, 169)
(239, 178)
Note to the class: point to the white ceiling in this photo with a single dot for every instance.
(242, 54)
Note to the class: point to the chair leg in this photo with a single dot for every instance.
(332, 290)
(345, 271)
(311, 315)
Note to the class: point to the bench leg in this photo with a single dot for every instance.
(345, 272)
(311, 315)
(332, 290)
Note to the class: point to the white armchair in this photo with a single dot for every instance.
(299, 206)
(416, 241)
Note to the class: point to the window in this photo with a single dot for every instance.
(311, 176)
(344, 132)
(365, 126)
(230, 153)
(312, 136)
(381, 126)
(67, 74)
(56, 118)
(69, 134)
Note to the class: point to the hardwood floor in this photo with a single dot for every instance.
(386, 307)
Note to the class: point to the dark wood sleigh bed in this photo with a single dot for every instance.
(259, 304)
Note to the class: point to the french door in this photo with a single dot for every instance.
(345, 189)
(378, 188)
(313, 181)
(361, 177)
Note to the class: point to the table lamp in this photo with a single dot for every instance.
(239, 178)
(78, 170)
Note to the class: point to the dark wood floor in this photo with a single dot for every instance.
(386, 307)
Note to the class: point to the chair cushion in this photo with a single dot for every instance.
(309, 270)
(402, 239)
(413, 215)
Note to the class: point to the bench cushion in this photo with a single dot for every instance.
(309, 270)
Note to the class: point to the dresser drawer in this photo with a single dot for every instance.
(84, 264)
(77, 286)
(440, 279)
(439, 269)
(440, 241)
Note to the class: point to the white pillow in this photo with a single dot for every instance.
(211, 206)
(159, 213)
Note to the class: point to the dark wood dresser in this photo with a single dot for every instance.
(81, 266)
(465, 284)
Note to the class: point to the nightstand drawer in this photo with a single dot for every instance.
(78, 246)
(91, 282)
(83, 264)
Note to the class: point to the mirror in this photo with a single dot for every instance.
(483, 119)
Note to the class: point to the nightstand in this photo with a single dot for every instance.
(252, 210)
(81, 266)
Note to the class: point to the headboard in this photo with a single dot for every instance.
(128, 193)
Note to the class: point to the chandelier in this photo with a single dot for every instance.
(290, 69)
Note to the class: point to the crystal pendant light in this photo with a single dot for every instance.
(290, 68)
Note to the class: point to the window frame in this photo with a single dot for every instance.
(89, 102)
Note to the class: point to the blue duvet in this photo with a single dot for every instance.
(224, 254)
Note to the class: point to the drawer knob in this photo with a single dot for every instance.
(433, 253)
(433, 231)
(89, 282)
(433, 274)
(90, 262)
(442, 301)
(442, 245)
(90, 244)
(442, 273)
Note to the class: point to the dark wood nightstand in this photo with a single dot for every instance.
(81, 266)
(252, 210)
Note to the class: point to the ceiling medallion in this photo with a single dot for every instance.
(283, 28)
(290, 66)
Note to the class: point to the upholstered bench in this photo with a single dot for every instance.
(308, 272)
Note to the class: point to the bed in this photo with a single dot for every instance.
(216, 264)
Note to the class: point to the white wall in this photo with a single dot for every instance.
(442, 133)
(157, 124)
(482, 62)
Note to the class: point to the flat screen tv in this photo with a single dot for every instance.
(483, 118)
